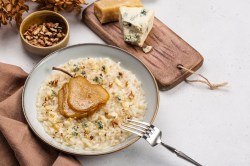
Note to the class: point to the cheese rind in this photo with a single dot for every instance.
(136, 23)
(108, 10)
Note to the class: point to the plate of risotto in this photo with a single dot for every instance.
(76, 98)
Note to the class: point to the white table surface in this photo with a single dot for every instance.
(213, 127)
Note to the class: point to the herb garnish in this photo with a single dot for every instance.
(119, 98)
(74, 133)
(53, 93)
(74, 128)
(103, 68)
(100, 125)
(99, 80)
(143, 12)
(76, 69)
(84, 125)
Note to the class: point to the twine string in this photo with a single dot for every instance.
(204, 81)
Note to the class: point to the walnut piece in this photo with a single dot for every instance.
(44, 35)
(53, 83)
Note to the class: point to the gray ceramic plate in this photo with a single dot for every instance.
(43, 70)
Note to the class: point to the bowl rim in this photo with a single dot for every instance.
(101, 153)
(48, 12)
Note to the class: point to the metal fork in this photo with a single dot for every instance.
(153, 136)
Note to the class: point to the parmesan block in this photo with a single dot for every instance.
(108, 10)
(136, 23)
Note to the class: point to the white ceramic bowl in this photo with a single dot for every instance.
(43, 70)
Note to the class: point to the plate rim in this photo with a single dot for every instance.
(86, 44)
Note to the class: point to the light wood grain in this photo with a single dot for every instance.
(169, 49)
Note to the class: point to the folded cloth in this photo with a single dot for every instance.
(19, 146)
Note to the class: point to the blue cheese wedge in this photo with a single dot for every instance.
(136, 23)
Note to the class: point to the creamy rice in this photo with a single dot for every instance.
(100, 130)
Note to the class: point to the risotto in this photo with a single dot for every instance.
(101, 129)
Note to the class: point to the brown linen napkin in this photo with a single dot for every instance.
(19, 146)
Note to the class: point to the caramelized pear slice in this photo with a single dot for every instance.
(66, 111)
(64, 108)
(94, 95)
(84, 96)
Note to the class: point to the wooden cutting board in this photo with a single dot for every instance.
(169, 49)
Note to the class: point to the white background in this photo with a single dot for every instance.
(213, 127)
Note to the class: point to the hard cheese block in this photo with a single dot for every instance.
(169, 49)
(108, 10)
(136, 23)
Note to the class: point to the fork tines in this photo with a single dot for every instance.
(136, 127)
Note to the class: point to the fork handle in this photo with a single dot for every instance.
(180, 154)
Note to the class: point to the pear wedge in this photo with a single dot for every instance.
(84, 96)
(60, 101)
(66, 111)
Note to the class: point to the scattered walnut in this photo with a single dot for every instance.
(46, 98)
(53, 83)
(126, 84)
(120, 75)
(44, 35)
(131, 95)
(86, 131)
(114, 122)
(110, 85)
